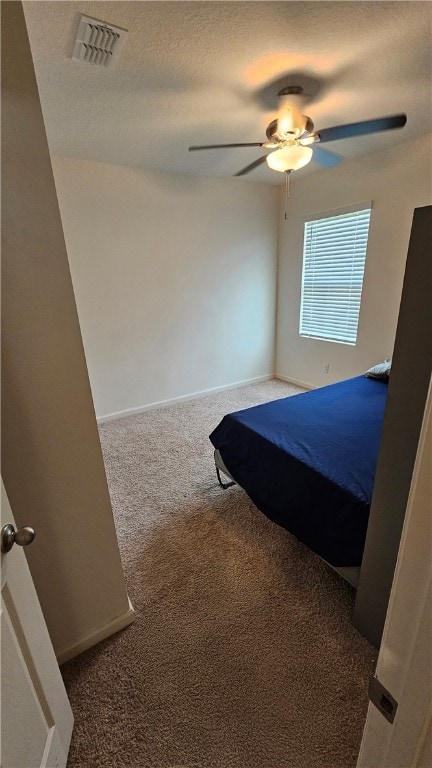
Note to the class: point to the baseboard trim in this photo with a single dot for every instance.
(182, 398)
(120, 622)
(296, 382)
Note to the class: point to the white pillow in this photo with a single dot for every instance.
(380, 371)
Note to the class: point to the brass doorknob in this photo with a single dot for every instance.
(9, 537)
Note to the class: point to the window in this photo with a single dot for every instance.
(334, 257)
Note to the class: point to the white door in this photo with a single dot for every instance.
(36, 718)
(405, 659)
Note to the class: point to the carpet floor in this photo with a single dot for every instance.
(243, 654)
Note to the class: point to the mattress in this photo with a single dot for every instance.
(308, 462)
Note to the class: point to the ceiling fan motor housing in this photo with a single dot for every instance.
(271, 130)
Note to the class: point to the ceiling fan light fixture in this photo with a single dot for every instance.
(289, 158)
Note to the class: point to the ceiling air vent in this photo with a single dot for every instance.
(98, 43)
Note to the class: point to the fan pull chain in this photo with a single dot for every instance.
(287, 191)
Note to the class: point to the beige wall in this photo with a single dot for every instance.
(396, 181)
(51, 458)
(175, 280)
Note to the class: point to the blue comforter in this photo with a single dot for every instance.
(308, 462)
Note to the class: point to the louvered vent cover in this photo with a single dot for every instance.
(98, 43)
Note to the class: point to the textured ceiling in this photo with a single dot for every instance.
(209, 72)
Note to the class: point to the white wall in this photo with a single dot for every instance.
(397, 181)
(52, 463)
(174, 277)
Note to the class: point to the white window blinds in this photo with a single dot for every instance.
(334, 257)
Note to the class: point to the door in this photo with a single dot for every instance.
(36, 718)
(404, 665)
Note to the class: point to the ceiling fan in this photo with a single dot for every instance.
(291, 135)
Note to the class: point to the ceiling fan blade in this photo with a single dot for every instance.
(253, 165)
(225, 146)
(360, 129)
(325, 158)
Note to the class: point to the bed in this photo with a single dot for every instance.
(308, 463)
